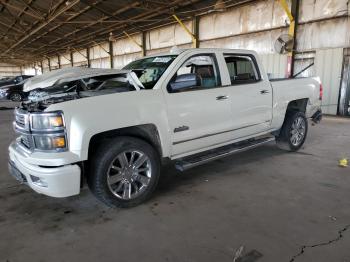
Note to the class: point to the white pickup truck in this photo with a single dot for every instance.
(114, 128)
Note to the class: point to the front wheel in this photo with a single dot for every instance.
(293, 132)
(125, 172)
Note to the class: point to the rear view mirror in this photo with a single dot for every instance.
(184, 81)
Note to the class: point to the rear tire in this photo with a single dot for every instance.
(293, 132)
(124, 172)
(16, 97)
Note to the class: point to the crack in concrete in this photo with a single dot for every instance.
(305, 154)
(303, 248)
(9, 187)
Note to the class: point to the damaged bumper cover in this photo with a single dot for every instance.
(54, 181)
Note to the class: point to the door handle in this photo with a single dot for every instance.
(264, 92)
(221, 97)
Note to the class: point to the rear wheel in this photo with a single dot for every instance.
(293, 132)
(125, 172)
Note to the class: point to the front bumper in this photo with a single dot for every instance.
(60, 181)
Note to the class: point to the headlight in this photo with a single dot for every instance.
(48, 131)
(3, 92)
(47, 121)
(50, 142)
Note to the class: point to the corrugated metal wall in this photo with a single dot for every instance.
(275, 65)
(324, 24)
(328, 65)
(80, 58)
(9, 69)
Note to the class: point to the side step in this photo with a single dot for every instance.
(202, 158)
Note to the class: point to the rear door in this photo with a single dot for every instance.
(200, 115)
(251, 95)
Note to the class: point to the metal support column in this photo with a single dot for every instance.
(293, 15)
(42, 68)
(143, 44)
(59, 61)
(111, 54)
(88, 57)
(49, 63)
(71, 59)
(196, 31)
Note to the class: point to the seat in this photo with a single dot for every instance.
(207, 76)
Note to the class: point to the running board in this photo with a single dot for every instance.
(203, 158)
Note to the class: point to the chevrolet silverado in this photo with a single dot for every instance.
(115, 128)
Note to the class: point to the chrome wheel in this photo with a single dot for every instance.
(298, 131)
(129, 174)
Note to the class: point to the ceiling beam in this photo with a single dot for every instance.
(53, 36)
(37, 12)
(16, 21)
(18, 8)
(107, 13)
(91, 37)
(66, 36)
(11, 28)
(59, 23)
(45, 23)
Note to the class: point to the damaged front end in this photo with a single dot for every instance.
(76, 83)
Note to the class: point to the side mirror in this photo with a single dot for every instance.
(184, 81)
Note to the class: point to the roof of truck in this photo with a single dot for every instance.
(177, 51)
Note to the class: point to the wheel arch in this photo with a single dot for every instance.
(297, 105)
(147, 132)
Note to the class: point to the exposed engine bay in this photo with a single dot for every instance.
(77, 83)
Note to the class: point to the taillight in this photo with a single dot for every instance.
(321, 92)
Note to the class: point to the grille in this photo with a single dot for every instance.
(22, 127)
(21, 118)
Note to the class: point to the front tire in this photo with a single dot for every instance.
(125, 172)
(293, 132)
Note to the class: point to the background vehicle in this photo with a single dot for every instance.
(116, 127)
(13, 80)
(12, 88)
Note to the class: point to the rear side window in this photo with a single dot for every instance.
(242, 69)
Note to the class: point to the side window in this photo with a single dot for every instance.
(242, 69)
(197, 72)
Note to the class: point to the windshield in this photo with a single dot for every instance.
(150, 69)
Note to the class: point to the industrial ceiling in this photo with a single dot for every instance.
(31, 30)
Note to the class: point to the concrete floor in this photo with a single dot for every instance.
(269, 201)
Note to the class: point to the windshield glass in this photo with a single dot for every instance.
(150, 69)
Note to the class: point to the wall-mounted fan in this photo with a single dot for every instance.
(284, 44)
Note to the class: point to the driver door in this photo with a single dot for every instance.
(199, 114)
